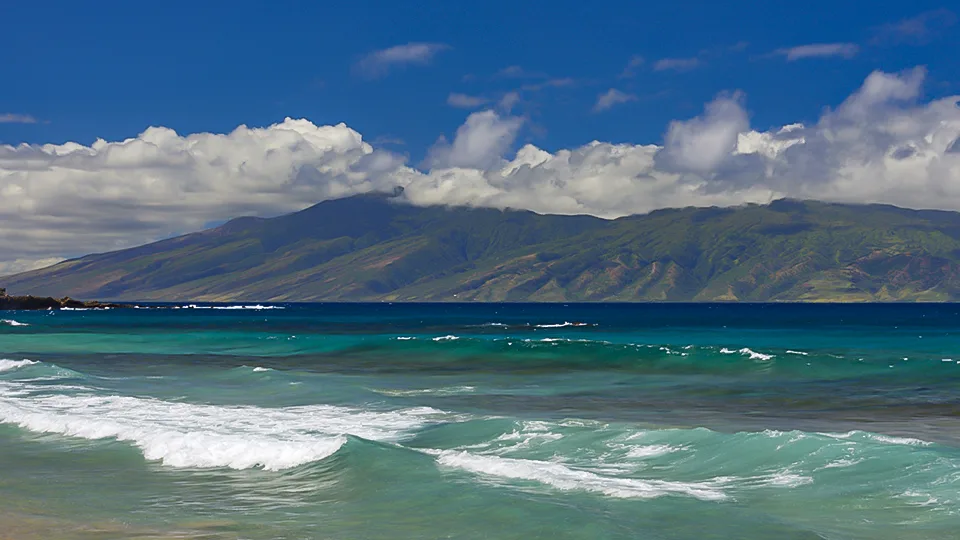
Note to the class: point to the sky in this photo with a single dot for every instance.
(124, 123)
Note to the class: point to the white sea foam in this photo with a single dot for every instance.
(405, 338)
(259, 369)
(801, 353)
(878, 438)
(782, 478)
(653, 450)
(254, 307)
(564, 324)
(841, 464)
(11, 322)
(918, 498)
(191, 435)
(9, 365)
(565, 478)
(446, 338)
(754, 355)
(445, 391)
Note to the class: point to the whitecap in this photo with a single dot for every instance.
(260, 369)
(445, 391)
(564, 324)
(9, 365)
(446, 338)
(193, 435)
(648, 451)
(256, 307)
(564, 478)
(754, 355)
(875, 437)
(11, 322)
(841, 464)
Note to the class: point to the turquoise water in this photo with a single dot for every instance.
(482, 421)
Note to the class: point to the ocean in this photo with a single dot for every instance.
(397, 421)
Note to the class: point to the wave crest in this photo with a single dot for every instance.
(191, 435)
(10, 365)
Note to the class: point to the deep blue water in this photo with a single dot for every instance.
(661, 421)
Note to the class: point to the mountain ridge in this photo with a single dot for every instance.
(375, 247)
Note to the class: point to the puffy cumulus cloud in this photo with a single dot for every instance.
(881, 144)
(480, 142)
(69, 199)
(700, 144)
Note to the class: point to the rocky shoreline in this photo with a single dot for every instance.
(29, 302)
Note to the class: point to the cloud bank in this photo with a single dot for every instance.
(881, 144)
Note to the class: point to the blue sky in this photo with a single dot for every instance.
(112, 69)
(119, 120)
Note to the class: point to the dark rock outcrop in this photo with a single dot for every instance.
(8, 302)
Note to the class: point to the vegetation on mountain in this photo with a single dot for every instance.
(8, 303)
(377, 248)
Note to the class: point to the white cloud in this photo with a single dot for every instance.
(916, 30)
(463, 101)
(70, 199)
(25, 265)
(10, 118)
(676, 64)
(819, 50)
(882, 144)
(508, 101)
(631, 70)
(518, 72)
(700, 144)
(560, 82)
(480, 142)
(610, 98)
(379, 63)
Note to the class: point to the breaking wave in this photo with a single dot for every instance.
(10, 365)
(565, 478)
(192, 435)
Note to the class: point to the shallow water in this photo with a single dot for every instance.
(482, 421)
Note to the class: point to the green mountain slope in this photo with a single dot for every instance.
(374, 247)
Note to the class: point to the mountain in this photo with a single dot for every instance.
(376, 247)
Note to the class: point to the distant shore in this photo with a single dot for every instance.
(29, 302)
